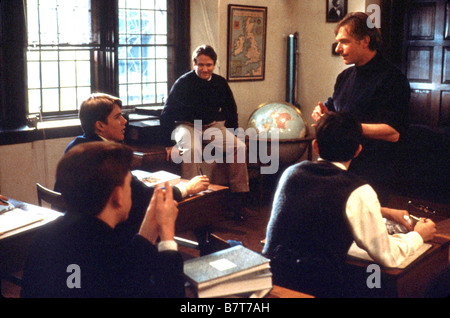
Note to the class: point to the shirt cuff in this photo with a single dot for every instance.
(182, 188)
(416, 239)
(167, 246)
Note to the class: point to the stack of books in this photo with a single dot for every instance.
(233, 272)
(152, 179)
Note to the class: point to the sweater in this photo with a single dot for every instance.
(192, 98)
(308, 234)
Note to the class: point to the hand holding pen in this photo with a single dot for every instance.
(3, 200)
(198, 183)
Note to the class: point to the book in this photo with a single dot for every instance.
(232, 271)
(359, 253)
(249, 285)
(152, 179)
(17, 218)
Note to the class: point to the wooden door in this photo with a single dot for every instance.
(427, 61)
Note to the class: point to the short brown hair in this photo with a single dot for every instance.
(96, 107)
(88, 173)
(356, 25)
(204, 50)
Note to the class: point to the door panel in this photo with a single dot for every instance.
(427, 61)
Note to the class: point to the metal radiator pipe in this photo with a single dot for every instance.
(291, 68)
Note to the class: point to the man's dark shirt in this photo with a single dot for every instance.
(377, 92)
(103, 264)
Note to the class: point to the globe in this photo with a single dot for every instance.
(288, 121)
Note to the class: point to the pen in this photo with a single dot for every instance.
(4, 201)
(201, 172)
(415, 218)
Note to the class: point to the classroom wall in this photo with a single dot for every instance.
(22, 165)
(317, 67)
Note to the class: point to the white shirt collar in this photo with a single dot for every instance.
(103, 138)
(337, 164)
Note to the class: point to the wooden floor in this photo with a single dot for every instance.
(252, 230)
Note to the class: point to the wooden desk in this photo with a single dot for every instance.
(14, 244)
(281, 292)
(276, 292)
(411, 281)
(200, 210)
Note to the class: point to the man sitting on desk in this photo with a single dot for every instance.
(201, 106)
(81, 255)
(320, 208)
(101, 119)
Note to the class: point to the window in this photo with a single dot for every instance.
(60, 43)
(133, 49)
(143, 52)
(58, 55)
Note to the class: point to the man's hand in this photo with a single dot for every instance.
(3, 198)
(197, 184)
(319, 111)
(166, 213)
(426, 228)
(397, 216)
(161, 215)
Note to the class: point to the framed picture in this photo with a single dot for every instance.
(246, 49)
(336, 10)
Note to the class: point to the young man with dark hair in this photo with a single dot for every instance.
(320, 209)
(82, 255)
(101, 119)
(377, 93)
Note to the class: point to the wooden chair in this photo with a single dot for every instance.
(52, 197)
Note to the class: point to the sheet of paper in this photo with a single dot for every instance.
(16, 219)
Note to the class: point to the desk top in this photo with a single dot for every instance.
(442, 232)
(46, 215)
(281, 292)
(213, 188)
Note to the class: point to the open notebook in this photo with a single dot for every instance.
(359, 253)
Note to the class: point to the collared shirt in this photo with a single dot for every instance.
(363, 211)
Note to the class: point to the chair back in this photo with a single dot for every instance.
(54, 198)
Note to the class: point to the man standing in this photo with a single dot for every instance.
(201, 104)
(82, 255)
(320, 209)
(376, 92)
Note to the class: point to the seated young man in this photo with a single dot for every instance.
(320, 209)
(81, 254)
(101, 119)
